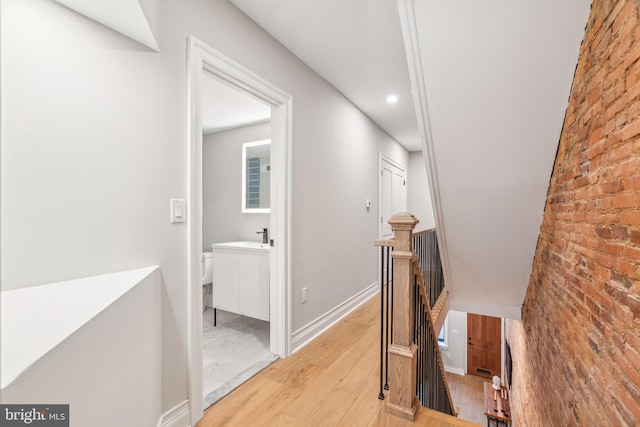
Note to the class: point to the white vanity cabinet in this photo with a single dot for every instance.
(241, 278)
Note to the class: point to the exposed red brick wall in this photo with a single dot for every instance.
(577, 349)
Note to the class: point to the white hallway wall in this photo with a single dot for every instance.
(418, 194)
(454, 357)
(94, 144)
(223, 220)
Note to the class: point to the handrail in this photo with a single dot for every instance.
(390, 242)
(384, 242)
(419, 233)
(421, 289)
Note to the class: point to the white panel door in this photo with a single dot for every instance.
(393, 195)
(386, 202)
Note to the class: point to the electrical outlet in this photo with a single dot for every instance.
(303, 295)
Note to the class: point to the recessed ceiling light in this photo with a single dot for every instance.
(392, 99)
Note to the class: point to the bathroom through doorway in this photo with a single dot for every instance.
(228, 170)
(236, 188)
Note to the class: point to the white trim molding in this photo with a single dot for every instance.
(178, 416)
(202, 58)
(313, 329)
(418, 87)
(382, 156)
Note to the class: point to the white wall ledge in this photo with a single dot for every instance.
(35, 320)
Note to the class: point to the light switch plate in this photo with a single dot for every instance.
(178, 211)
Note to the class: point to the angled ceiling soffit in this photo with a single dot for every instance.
(131, 18)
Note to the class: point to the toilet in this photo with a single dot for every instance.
(207, 276)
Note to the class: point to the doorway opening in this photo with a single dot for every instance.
(236, 194)
(206, 67)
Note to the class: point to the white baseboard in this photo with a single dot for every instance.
(178, 416)
(307, 333)
(455, 370)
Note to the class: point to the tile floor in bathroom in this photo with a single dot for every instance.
(234, 350)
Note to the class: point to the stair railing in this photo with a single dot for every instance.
(411, 283)
(425, 245)
(432, 387)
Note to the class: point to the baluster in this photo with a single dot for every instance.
(382, 339)
(389, 316)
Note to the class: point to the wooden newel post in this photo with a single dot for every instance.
(402, 352)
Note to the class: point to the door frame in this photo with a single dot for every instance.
(203, 58)
(384, 158)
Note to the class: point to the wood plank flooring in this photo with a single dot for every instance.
(333, 381)
(468, 396)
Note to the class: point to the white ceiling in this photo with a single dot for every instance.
(355, 45)
(224, 107)
(496, 76)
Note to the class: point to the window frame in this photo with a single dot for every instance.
(444, 342)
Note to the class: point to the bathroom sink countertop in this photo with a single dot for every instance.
(244, 246)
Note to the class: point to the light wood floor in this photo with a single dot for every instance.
(468, 395)
(333, 381)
